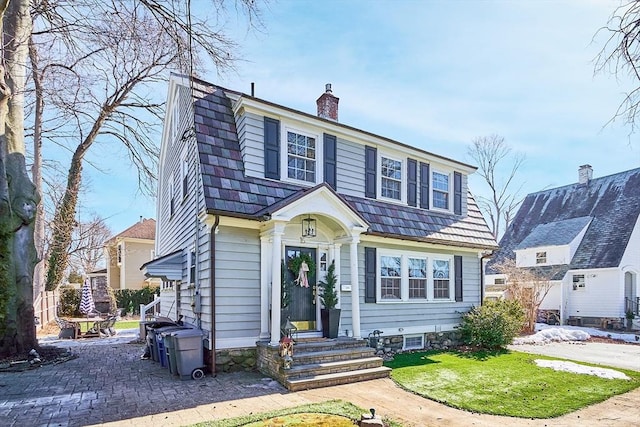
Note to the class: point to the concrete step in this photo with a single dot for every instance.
(323, 356)
(326, 380)
(312, 369)
(304, 346)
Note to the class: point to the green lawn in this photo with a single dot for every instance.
(502, 383)
(127, 324)
(330, 413)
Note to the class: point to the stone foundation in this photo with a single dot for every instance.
(236, 359)
(432, 341)
(269, 361)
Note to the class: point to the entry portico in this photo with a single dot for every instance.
(337, 224)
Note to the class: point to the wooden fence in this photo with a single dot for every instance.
(44, 307)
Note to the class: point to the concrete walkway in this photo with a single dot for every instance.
(108, 384)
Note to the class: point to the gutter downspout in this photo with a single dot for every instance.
(482, 258)
(212, 286)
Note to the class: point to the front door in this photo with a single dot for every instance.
(300, 301)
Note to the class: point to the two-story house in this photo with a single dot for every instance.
(247, 186)
(584, 238)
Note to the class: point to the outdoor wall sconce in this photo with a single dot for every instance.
(309, 227)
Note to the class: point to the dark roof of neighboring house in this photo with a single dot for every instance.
(143, 229)
(554, 233)
(228, 191)
(612, 202)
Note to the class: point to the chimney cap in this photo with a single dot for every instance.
(327, 88)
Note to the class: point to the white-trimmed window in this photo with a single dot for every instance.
(119, 254)
(302, 156)
(406, 276)
(499, 281)
(541, 257)
(172, 203)
(413, 342)
(390, 277)
(417, 278)
(579, 283)
(390, 178)
(441, 279)
(184, 173)
(441, 190)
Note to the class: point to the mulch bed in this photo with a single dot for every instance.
(46, 355)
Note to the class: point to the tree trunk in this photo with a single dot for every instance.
(18, 196)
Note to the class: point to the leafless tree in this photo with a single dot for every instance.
(620, 56)
(499, 168)
(528, 286)
(87, 245)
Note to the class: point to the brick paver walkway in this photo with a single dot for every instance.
(108, 384)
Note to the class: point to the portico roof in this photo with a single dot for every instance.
(167, 267)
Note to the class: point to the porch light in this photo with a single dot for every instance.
(309, 227)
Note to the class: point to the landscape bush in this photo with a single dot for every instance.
(69, 301)
(493, 325)
(130, 299)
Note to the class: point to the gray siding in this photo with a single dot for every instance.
(251, 135)
(390, 317)
(350, 168)
(237, 283)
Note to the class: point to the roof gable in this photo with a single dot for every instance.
(144, 229)
(554, 233)
(613, 203)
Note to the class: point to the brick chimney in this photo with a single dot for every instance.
(328, 104)
(585, 173)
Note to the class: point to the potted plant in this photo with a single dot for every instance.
(630, 316)
(330, 315)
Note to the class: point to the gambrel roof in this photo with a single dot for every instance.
(229, 191)
(610, 206)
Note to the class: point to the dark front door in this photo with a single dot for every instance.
(301, 302)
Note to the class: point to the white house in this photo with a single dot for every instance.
(586, 237)
(247, 185)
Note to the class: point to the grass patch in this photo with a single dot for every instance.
(330, 413)
(503, 383)
(126, 324)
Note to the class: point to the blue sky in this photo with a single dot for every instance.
(435, 75)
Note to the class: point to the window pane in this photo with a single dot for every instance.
(441, 182)
(441, 289)
(389, 266)
(390, 277)
(440, 269)
(301, 162)
(391, 168)
(390, 288)
(440, 200)
(390, 189)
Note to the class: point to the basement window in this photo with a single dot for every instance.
(413, 342)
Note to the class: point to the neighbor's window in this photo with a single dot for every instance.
(417, 278)
(541, 257)
(391, 178)
(499, 281)
(390, 277)
(578, 282)
(301, 157)
(441, 279)
(440, 190)
(119, 254)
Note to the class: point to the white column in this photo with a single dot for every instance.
(355, 288)
(562, 299)
(276, 286)
(265, 271)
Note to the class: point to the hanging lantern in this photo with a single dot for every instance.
(308, 227)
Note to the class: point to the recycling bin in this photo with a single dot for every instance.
(170, 352)
(189, 354)
(159, 342)
(150, 335)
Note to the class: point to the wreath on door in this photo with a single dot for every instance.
(302, 267)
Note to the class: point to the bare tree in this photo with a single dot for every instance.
(620, 56)
(528, 286)
(87, 245)
(18, 195)
(498, 167)
(105, 93)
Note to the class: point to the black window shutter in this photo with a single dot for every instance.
(424, 185)
(412, 182)
(457, 193)
(369, 275)
(457, 268)
(271, 148)
(330, 156)
(370, 160)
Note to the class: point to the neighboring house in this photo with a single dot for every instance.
(585, 239)
(256, 184)
(127, 251)
(101, 298)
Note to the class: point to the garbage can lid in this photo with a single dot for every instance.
(186, 333)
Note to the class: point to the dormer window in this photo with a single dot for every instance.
(390, 178)
(441, 186)
(301, 157)
(541, 257)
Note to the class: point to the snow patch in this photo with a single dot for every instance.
(553, 334)
(575, 368)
